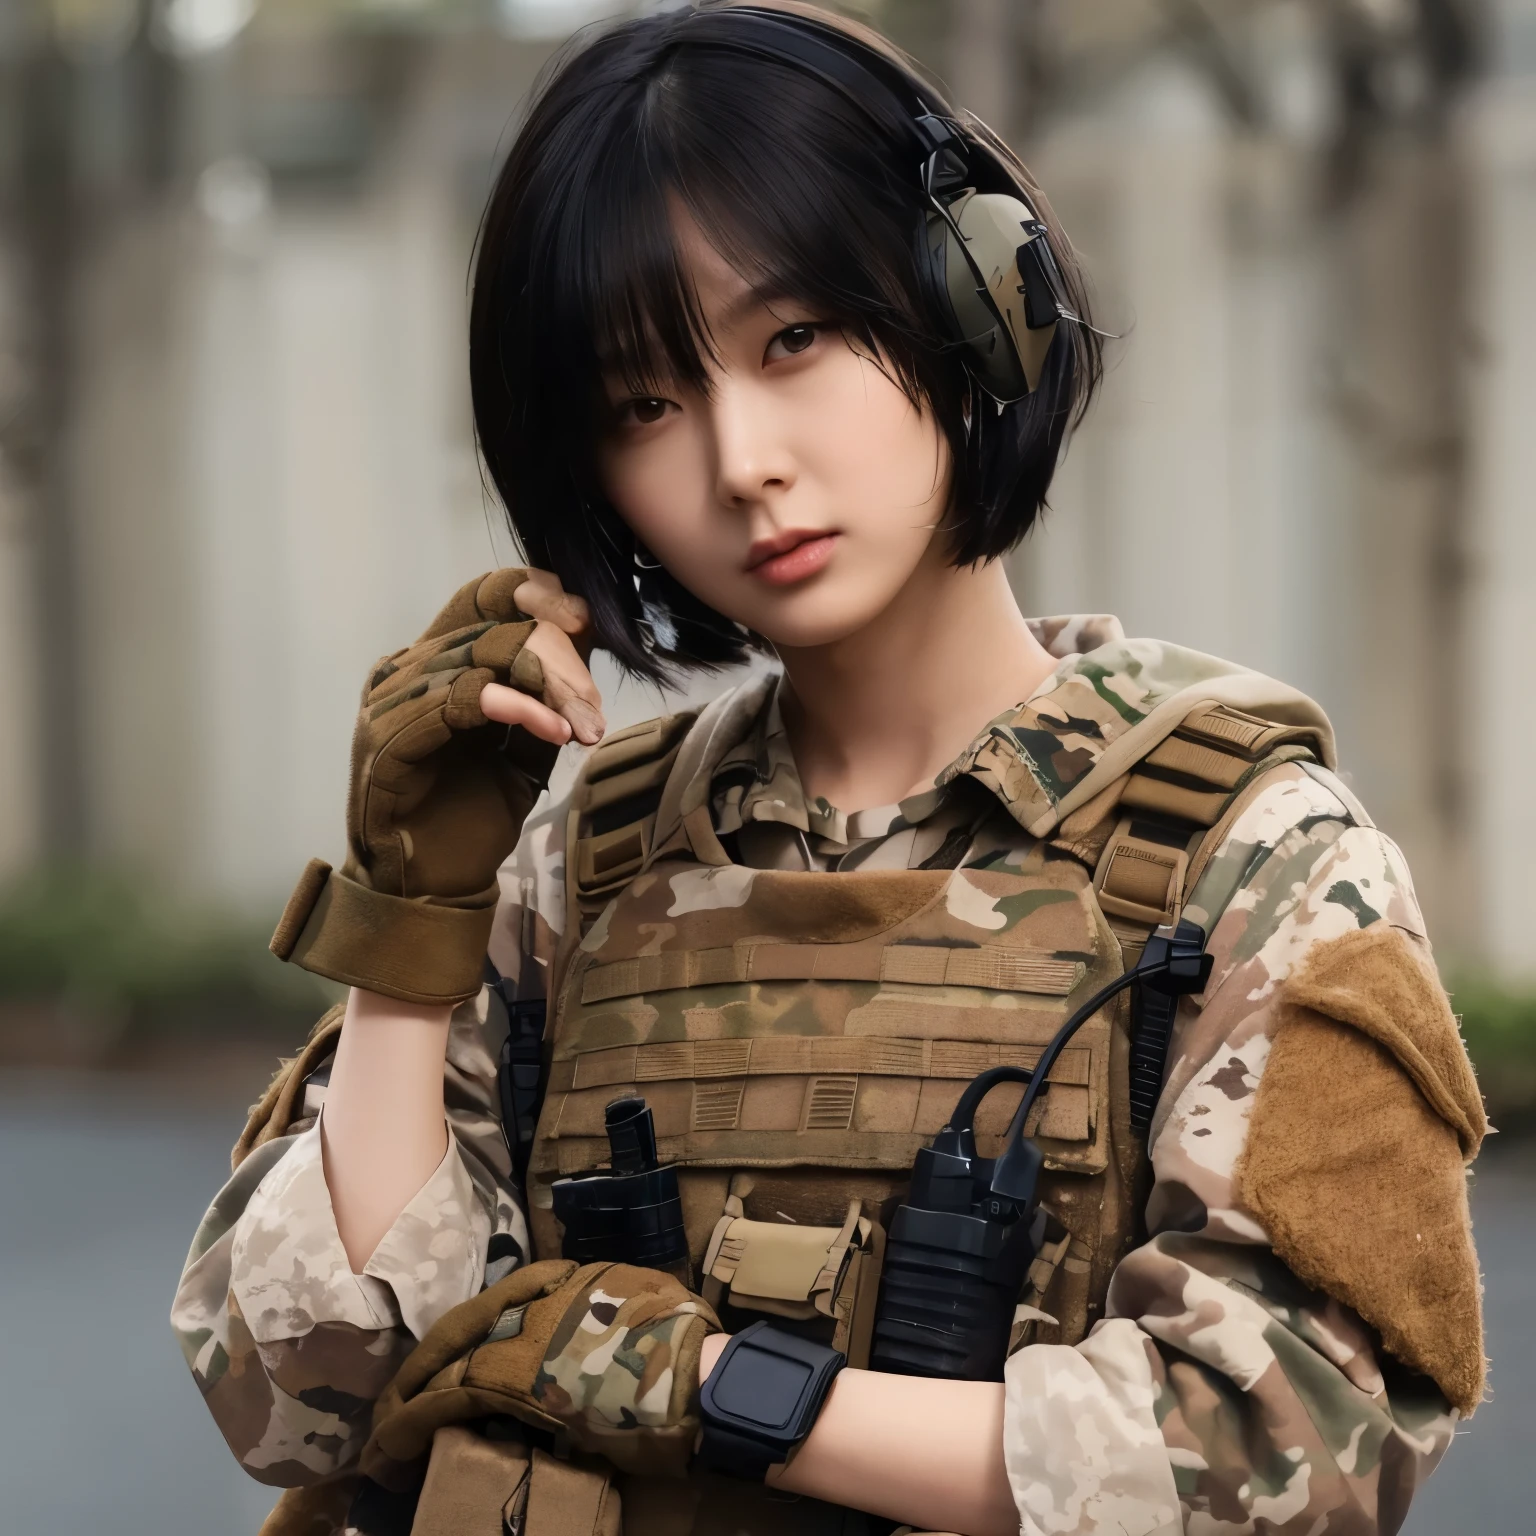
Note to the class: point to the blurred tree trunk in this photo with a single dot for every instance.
(85, 97)
(982, 62)
(1403, 198)
(45, 220)
(1402, 302)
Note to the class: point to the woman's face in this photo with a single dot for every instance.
(801, 494)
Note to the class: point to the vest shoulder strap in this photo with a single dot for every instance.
(1171, 813)
(613, 809)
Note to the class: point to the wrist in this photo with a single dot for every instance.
(709, 1355)
(369, 1009)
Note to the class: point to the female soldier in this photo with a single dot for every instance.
(771, 352)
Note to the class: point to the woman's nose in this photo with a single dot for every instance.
(754, 460)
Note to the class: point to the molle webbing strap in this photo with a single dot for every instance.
(1171, 798)
(986, 965)
(1171, 802)
(615, 807)
(808, 1055)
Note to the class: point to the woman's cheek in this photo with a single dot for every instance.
(653, 488)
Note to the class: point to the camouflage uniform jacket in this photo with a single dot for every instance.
(1219, 1394)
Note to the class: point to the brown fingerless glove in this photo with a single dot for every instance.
(437, 799)
(606, 1355)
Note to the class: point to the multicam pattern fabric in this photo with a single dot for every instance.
(1072, 737)
(289, 1347)
(620, 1362)
(1277, 1407)
(758, 798)
(1220, 1396)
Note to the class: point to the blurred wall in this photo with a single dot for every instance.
(1310, 453)
(1502, 123)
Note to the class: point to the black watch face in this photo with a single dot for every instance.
(768, 1394)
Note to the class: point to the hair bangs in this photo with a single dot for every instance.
(631, 289)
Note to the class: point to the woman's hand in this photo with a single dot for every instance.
(440, 788)
(561, 641)
(606, 1355)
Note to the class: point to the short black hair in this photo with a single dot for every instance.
(800, 183)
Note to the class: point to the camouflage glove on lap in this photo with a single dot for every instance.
(606, 1355)
(438, 796)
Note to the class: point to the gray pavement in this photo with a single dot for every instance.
(101, 1428)
(1483, 1484)
(102, 1181)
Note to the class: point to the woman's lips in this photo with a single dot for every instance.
(806, 556)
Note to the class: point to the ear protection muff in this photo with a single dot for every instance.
(989, 254)
(990, 257)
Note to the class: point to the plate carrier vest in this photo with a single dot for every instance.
(800, 1035)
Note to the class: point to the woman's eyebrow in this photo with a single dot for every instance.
(753, 297)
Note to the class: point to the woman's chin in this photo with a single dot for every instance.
(808, 632)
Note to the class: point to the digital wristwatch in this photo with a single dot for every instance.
(762, 1398)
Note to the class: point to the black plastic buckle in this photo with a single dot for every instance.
(1173, 964)
(1174, 960)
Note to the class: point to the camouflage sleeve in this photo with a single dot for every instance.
(289, 1347)
(1221, 1395)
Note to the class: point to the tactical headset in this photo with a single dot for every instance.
(989, 255)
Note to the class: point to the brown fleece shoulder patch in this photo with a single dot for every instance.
(1364, 1115)
(1386, 988)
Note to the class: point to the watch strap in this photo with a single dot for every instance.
(762, 1398)
(737, 1455)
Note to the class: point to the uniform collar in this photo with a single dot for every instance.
(756, 780)
(1106, 705)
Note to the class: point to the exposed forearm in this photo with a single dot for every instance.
(383, 1131)
(926, 1453)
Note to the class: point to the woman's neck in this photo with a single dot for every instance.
(875, 716)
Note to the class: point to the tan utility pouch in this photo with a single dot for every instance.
(790, 1271)
(480, 1487)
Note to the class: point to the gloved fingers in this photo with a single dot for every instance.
(428, 659)
(496, 595)
(568, 686)
(541, 596)
(489, 596)
(500, 647)
(460, 611)
(528, 674)
(462, 712)
(467, 1324)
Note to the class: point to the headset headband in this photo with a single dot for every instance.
(842, 60)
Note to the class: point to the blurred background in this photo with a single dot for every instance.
(236, 465)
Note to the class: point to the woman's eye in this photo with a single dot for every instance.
(794, 338)
(644, 412)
